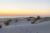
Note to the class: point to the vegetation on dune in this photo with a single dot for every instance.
(0, 26)
(16, 20)
(38, 17)
(7, 22)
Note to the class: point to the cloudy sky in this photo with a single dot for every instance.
(24, 7)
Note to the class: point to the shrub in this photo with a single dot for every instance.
(0, 26)
(7, 22)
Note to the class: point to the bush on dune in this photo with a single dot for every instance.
(38, 17)
(7, 22)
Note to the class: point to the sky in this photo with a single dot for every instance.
(24, 7)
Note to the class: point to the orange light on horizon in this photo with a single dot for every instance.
(24, 12)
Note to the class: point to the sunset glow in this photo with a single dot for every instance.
(24, 8)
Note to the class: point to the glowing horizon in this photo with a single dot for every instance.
(24, 8)
(24, 13)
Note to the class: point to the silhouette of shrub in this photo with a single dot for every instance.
(16, 20)
(38, 17)
(28, 19)
(0, 26)
(7, 22)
